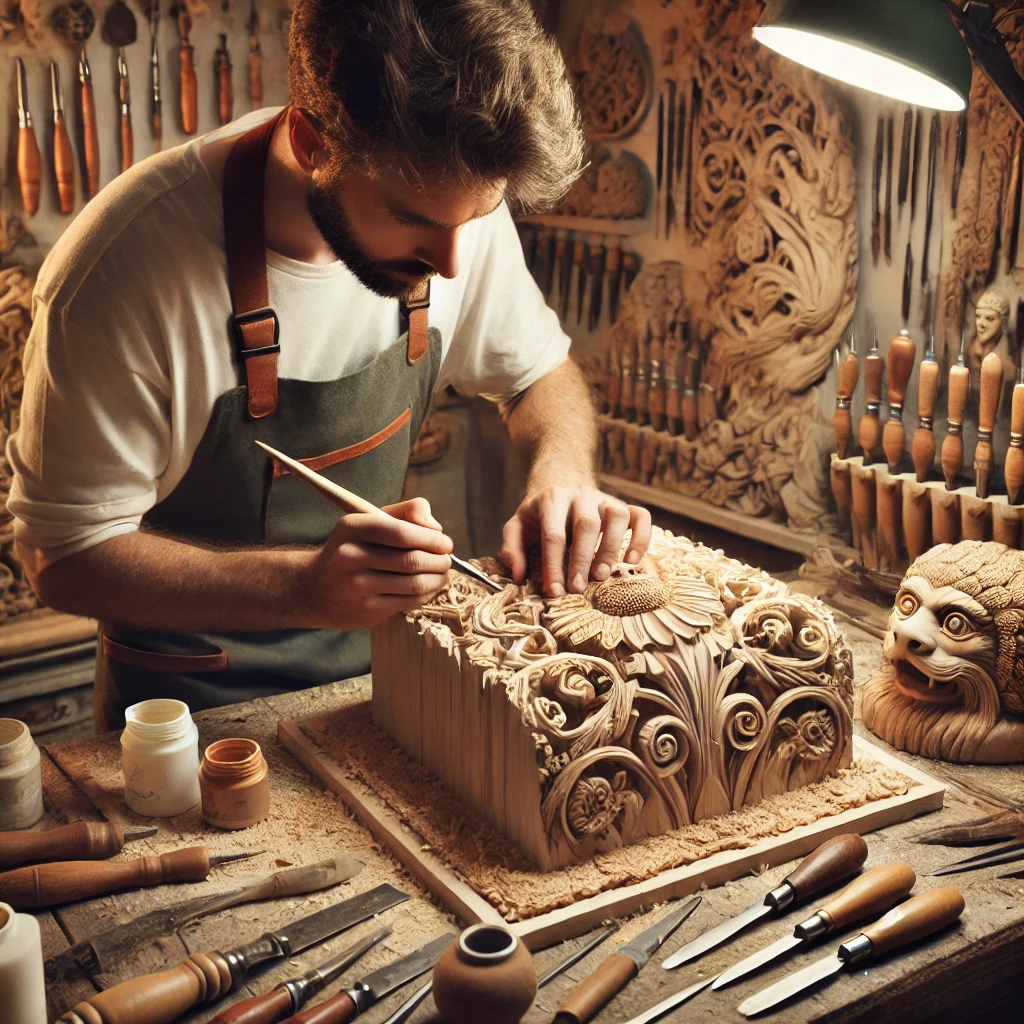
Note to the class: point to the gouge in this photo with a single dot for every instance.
(63, 160)
(1014, 467)
(923, 447)
(847, 372)
(921, 916)
(870, 430)
(867, 895)
(81, 840)
(989, 388)
(47, 885)
(30, 165)
(834, 860)
(902, 354)
(953, 442)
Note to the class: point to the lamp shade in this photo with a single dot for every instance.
(909, 50)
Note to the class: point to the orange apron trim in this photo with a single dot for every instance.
(153, 662)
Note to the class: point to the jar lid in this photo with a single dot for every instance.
(15, 741)
(160, 719)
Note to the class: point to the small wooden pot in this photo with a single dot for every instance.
(486, 977)
(233, 780)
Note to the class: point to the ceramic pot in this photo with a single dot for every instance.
(22, 986)
(486, 977)
(234, 784)
(21, 784)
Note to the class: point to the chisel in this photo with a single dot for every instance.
(63, 160)
(125, 113)
(659, 166)
(81, 840)
(656, 402)
(670, 156)
(834, 860)
(876, 192)
(923, 446)
(908, 282)
(889, 161)
(953, 443)
(30, 166)
(225, 90)
(48, 885)
(915, 170)
(613, 268)
(1011, 226)
(919, 917)
(579, 252)
(929, 211)
(558, 266)
(597, 257)
(1014, 467)
(902, 355)
(869, 431)
(187, 73)
(959, 160)
(908, 126)
(630, 268)
(847, 372)
(872, 893)
(990, 387)
(673, 406)
(581, 281)
(688, 399)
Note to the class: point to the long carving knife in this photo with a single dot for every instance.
(929, 213)
(834, 860)
(30, 166)
(959, 160)
(659, 172)
(81, 840)
(166, 995)
(350, 1003)
(666, 1006)
(613, 268)
(915, 171)
(919, 917)
(872, 893)
(876, 191)
(618, 970)
(579, 252)
(890, 159)
(581, 285)
(670, 157)
(908, 127)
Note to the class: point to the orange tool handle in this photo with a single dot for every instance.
(63, 167)
(924, 914)
(30, 169)
(91, 138)
(92, 840)
(127, 143)
(339, 1010)
(158, 133)
(269, 1008)
(225, 90)
(189, 89)
(871, 893)
(256, 79)
(586, 1000)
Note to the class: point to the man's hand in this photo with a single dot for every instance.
(372, 567)
(597, 524)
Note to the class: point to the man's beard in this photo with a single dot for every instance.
(378, 275)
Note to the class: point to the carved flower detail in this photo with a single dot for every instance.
(596, 804)
(635, 606)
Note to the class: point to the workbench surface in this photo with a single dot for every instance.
(974, 972)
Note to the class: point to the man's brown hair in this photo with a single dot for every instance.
(470, 90)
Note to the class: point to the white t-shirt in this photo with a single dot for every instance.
(129, 348)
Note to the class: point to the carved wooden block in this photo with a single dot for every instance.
(684, 687)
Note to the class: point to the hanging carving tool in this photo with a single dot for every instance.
(255, 59)
(953, 443)
(630, 268)
(165, 996)
(613, 268)
(904, 180)
(908, 281)
(696, 102)
(688, 398)
(546, 253)
(81, 840)
(579, 253)
(656, 395)
(640, 379)
(670, 157)
(915, 171)
(929, 213)
(959, 160)
(618, 970)
(597, 257)
(923, 446)
(155, 102)
(872, 893)
(225, 90)
(876, 192)
(834, 860)
(291, 996)
(558, 262)
(1014, 467)
(659, 173)
(890, 159)
(902, 356)
(75, 22)
(30, 168)
(63, 159)
(120, 30)
(990, 387)
(187, 73)
(573, 958)
(920, 916)
(680, 156)
(673, 358)
(847, 373)
(869, 432)
(47, 885)
(1011, 232)
(565, 273)
(581, 283)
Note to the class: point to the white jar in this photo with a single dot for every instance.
(21, 784)
(21, 969)
(160, 758)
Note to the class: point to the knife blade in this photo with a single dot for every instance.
(908, 125)
(871, 893)
(165, 996)
(929, 215)
(889, 161)
(876, 191)
(670, 156)
(350, 1003)
(916, 169)
(908, 282)
(1006, 853)
(558, 264)
(959, 160)
(577, 955)
(659, 1010)
(696, 102)
(919, 917)
(617, 970)
(405, 1011)
(659, 172)
(834, 860)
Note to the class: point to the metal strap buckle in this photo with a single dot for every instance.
(410, 307)
(239, 320)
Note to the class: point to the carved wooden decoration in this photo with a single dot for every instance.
(687, 686)
(742, 342)
(953, 687)
(612, 188)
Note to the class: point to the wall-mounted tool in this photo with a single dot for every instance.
(869, 432)
(561, 248)
(990, 387)
(688, 397)
(889, 161)
(953, 442)
(915, 171)
(923, 447)
(693, 149)
(847, 373)
(929, 212)
(151, 9)
(581, 279)
(834, 860)
(641, 382)
(1014, 467)
(613, 268)
(255, 59)
(597, 259)
(902, 355)
(225, 90)
(908, 281)
(187, 73)
(656, 401)
(1011, 225)
(659, 170)
(681, 151)
(920, 916)
(30, 166)
(876, 192)
(959, 159)
(630, 268)
(670, 157)
(81, 840)
(544, 259)
(119, 31)
(908, 129)
(63, 159)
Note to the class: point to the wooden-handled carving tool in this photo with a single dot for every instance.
(908, 281)
(847, 373)
(990, 387)
(675, 346)
(30, 166)
(916, 169)
(670, 158)
(641, 381)
(81, 840)
(187, 74)
(929, 212)
(255, 59)
(1014, 467)
(908, 127)
(876, 191)
(917, 518)
(923, 447)
(579, 252)
(581, 282)
(889, 515)
(125, 111)
(561, 247)
(920, 916)
(292, 995)
(597, 259)
(613, 269)
(225, 90)
(953, 442)
(152, 11)
(902, 355)
(959, 160)
(630, 268)
(659, 166)
(63, 160)
(656, 404)
(611, 977)
(165, 996)
(869, 432)
(349, 502)
(889, 161)
(48, 885)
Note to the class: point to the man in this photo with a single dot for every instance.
(306, 278)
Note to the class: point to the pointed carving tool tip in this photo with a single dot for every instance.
(226, 858)
(131, 834)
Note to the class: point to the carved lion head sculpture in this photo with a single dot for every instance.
(953, 683)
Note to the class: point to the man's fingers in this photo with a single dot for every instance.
(393, 533)
(415, 510)
(516, 541)
(614, 523)
(640, 541)
(409, 562)
(586, 528)
(399, 584)
(553, 514)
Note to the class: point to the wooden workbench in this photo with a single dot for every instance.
(974, 972)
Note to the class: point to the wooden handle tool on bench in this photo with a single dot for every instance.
(1014, 467)
(923, 446)
(902, 354)
(990, 388)
(81, 840)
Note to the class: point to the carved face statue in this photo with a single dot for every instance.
(952, 687)
(988, 325)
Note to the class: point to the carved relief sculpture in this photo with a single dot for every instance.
(991, 318)
(687, 686)
(953, 683)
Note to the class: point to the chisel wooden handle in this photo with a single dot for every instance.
(157, 998)
(90, 137)
(30, 169)
(870, 432)
(656, 403)
(924, 914)
(989, 389)
(225, 90)
(834, 860)
(127, 142)
(1015, 453)
(917, 519)
(47, 885)
(256, 79)
(587, 999)
(923, 447)
(81, 840)
(189, 93)
(63, 167)
(871, 893)
(953, 442)
(338, 1010)
(846, 384)
(275, 1005)
(902, 354)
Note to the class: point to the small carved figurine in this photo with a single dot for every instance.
(953, 685)
(991, 316)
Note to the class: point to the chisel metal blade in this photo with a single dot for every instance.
(659, 1010)
(791, 986)
(757, 960)
(1005, 854)
(717, 935)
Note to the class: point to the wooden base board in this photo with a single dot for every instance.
(568, 922)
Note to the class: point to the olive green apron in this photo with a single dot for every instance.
(356, 430)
